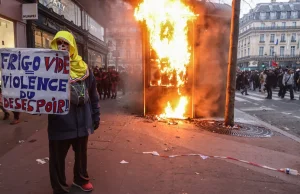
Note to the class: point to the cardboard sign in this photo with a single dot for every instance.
(35, 81)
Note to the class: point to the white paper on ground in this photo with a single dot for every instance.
(154, 153)
(124, 162)
(203, 157)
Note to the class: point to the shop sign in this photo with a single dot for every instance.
(30, 11)
(253, 63)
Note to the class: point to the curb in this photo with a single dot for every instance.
(269, 126)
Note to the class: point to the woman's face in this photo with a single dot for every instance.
(62, 45)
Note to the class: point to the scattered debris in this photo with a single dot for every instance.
(124, 162)
(211, 122)
(21, 141)
(33, 140)
(286, 113)
(167, 149)
(177, 137)
(42, 161)
(172, 123)
(154, 153)
(128, 140)
(105, 141)
(197, 173)
(285, 128)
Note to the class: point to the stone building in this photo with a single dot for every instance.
(124, 38)
(269, 34)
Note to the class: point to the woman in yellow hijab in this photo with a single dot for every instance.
(74, 128)
(64, 40)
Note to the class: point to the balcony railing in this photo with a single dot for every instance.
(261, 41)
(271, 28)
(269, 58)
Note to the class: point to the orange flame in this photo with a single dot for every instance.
(167, 23)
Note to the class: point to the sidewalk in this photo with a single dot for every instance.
(123, 136)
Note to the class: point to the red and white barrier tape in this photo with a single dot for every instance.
(283, 170)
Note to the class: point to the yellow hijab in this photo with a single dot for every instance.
(79, 69)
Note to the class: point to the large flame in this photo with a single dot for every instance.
(167, 23)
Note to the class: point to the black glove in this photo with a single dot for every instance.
(96, 125)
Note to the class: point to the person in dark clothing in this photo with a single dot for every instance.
(238, 81)
(297, 80)
(256, 80)
(244, 83)
(74, 128)
(271, 78)
(281, 86)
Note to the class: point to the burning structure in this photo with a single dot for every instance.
(185, 50)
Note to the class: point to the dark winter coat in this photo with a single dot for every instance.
(271, 79)
(79, 122)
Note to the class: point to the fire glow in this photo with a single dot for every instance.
(167, 23)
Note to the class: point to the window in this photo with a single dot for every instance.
(7, 35)
(293, 37)
(248, 51)
(38, 39)
(273, 15)
(262, 38)
(249, 40)
(245, 54)
(294, 24)
(283, 15)
(242, 42)
(128, 42)
(42, 39)
(282, 51)
(128, 54)
(261, 51)
(294, 14)
(283, 24)
(272, 51)
(263, 15)
(273, 25)
(282, 38)
(292, 50)
(262, 25)
(272, 38)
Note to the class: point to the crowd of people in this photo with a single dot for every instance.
(109, 82)
(286, 79)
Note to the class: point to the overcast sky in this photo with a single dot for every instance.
(245, 7)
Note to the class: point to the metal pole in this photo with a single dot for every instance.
(231, 73)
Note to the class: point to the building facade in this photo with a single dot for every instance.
(269, 34)
(53, 16)
(124, 37)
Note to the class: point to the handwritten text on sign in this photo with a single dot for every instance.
(35, 80)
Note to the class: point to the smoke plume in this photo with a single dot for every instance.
(211, 56)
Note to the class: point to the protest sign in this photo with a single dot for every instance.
(35, 81)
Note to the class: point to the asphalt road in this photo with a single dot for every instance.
(282, 113)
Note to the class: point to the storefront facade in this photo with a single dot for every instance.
(54, 16)
(12, 27)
